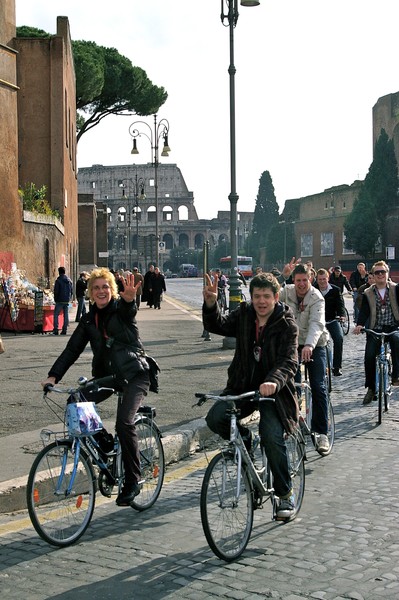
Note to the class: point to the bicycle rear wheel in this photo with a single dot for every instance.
(152, 464)
(226, 507)
(295, 445)
(345, 323)
(61, 499)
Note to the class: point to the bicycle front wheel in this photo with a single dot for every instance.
(152, 464)
(295, 445)
(380, 392)
(330, 425)
(226, 507)
(60, 494)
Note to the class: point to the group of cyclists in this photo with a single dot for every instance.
(288, 320)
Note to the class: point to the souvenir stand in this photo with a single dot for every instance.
(25, 308)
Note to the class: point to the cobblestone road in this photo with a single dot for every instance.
(344, 543)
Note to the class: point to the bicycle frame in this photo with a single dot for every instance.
(382, 383)
(242, 456)
(382, 371)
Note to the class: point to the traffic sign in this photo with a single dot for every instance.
(161, 246)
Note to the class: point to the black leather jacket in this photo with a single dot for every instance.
(113, 335)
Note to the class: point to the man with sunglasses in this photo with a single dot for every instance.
(380, 307)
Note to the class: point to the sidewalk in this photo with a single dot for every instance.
(188, 365)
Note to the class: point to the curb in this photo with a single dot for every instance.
(177, 444)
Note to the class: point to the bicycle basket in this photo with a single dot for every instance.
(82, 418)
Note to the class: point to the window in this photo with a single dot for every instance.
(307, 244)
(327, 244)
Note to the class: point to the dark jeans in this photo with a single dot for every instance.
(337, 336)
(133, 395)
(271, 433)
(372, 349)
(61, 306)
(317, 381)
(81, 308)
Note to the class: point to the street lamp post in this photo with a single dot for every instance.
(160, 130)
(230, 19)
(139, 192)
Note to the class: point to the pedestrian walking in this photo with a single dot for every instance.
(147, 287)
(62, 297)
(80, 291)
(138, 277)
(158, 287)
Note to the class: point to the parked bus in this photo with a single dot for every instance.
(244, 264)
(187, 270)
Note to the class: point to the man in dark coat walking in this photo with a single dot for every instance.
(265, 359)
(62, 296)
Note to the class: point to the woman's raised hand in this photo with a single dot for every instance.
(130, 291)
(210, 291)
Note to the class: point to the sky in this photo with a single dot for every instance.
(308, 73)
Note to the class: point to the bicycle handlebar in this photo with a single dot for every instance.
(378, 333)
(94, 385)
(252, 396)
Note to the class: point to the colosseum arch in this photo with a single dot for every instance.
(183, 240)
(168, 239)
(121, 214)
(199, 241)
(167, 214)
(183, 212)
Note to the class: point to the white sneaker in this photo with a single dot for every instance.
(323, 445)
(286, 507)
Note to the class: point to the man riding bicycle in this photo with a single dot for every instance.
(307, 304)
(334, 311)
(380, 306)
(265, 359)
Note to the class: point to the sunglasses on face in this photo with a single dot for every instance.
(379, 272)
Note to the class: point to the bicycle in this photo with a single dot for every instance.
(67, 472)
(345, 322)
(305, 402)
(383, 371)
(234, 486)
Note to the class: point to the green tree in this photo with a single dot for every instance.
(106, 83)
(365, 226)
(382, 182)
(280, 244)
(360, 228)
(265, 216)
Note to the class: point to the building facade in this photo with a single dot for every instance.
(128, 192)
(38, 140)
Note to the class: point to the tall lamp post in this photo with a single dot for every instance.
(139, 192)
(229, 19)
(160, 130)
